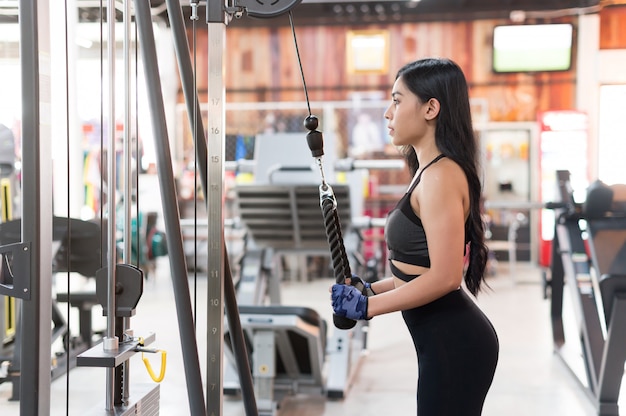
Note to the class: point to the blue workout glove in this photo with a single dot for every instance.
(364, 287)
(349, 302)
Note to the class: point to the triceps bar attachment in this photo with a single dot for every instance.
(328, 203)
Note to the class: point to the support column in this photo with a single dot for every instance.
(215, 201)
(587, 83)
(178, 266)
(36, 317)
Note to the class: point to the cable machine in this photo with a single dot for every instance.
(30, 259)
(27, 265)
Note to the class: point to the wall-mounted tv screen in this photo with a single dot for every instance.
(532, 48)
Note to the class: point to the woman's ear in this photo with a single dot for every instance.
(432, 109)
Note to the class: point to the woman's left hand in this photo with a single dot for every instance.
(348, 302)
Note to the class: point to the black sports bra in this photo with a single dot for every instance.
(404, 233)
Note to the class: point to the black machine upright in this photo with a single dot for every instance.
(589, 257)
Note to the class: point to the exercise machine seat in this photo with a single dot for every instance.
(85, 254)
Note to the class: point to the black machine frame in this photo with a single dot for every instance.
(598, 295)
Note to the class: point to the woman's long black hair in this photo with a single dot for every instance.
(443, 80)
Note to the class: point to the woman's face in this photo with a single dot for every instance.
(406, 115)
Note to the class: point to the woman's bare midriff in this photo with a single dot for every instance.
(408, 269)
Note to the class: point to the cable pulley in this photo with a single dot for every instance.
(271, 8)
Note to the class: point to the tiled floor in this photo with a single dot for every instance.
(530, 379)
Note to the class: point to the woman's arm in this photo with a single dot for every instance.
(383, 285)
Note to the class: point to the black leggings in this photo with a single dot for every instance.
(457, 352)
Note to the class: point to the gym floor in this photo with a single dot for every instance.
(530, 379)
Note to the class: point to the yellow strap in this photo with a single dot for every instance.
(6, 213)
(149, 367)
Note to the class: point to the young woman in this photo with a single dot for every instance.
(434, 227)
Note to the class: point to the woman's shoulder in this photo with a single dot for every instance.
(444, 179)
(445, 172)
(441, 187)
